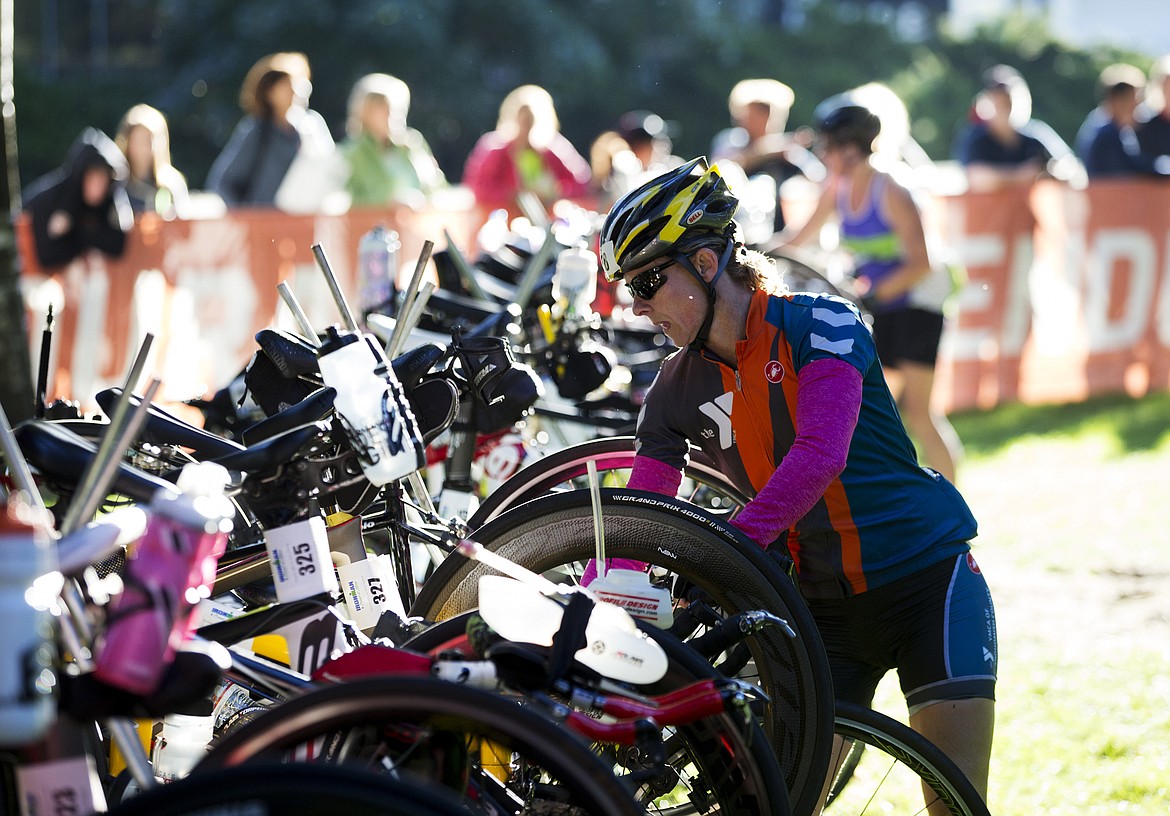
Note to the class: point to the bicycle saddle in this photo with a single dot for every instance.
(292, 354)
(271, 453)
(62, 455)
(311, 409)
(163, 428)
(294, 357)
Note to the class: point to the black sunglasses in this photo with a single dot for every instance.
(645, 285)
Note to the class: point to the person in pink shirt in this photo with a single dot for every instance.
(526, 152)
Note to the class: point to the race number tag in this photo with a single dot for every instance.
(369, 589)
(301, 566)
(61, 786)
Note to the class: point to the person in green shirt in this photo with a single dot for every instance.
(387, 162)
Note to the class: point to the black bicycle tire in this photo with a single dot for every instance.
(412, 699)
(607, 453)
(289, 790)
(557, 529)
(727, 744)
(907, 747)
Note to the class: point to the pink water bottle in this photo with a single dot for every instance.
(167, 574)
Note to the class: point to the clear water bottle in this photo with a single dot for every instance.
(27, 680)
(372, 407)
(168, 572)
(378, 267)
(574, 283)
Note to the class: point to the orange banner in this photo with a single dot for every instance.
(1068, 293)
(203, 288)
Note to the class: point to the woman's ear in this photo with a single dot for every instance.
(707, 262)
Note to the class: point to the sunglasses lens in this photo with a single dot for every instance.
(647, 284)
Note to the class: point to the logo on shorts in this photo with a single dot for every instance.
(971, 565)
(774, 371)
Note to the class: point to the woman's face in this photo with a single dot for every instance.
(140, 151)
(838, 157)
(678, 307)
(280, 97)
(95, 185)
(376, 117)
(525, 119)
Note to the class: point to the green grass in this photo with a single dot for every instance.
(1072, 503)
(1131, 425)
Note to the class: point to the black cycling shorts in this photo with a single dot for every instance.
(936, 627)
(907, 336)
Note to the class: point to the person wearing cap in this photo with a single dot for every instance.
(649, 138)
(758, 142)
(278, 125)
(785, 392)
(1004, 146)
(622, 159)
(1107, 141)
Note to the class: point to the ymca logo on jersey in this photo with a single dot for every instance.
(719, 410)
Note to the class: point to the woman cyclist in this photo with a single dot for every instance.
(784, 391)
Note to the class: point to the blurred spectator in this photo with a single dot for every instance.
(526, 152)
(649, 138)
(1153, 128)
(1107, 142)
(82, 205)
(614, 168)
(386, 162)
(900, 275)
(153, 183)
(757, 141)
(1004, 146)
(622, 159)
(277, 128)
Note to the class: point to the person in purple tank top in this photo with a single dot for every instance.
(902, 286)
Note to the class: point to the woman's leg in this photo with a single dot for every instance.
(963, 730)
(912, 384)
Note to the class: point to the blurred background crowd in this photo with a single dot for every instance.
(458, 63)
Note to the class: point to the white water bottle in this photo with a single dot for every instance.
(27, 680)
(574, 283)
(632, 591)
(374, 413)
(182, 744)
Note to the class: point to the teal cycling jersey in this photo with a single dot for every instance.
(883, 517)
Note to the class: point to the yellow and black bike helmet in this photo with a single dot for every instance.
(671, 213)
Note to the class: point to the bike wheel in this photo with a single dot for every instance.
(290, 790)
(703, 484)
(887, 767)
(482, 746)
(803, 274)
(554, 534)
(719, 764)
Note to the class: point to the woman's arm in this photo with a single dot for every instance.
(828, 402)
(906, 221)
(810, 231)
